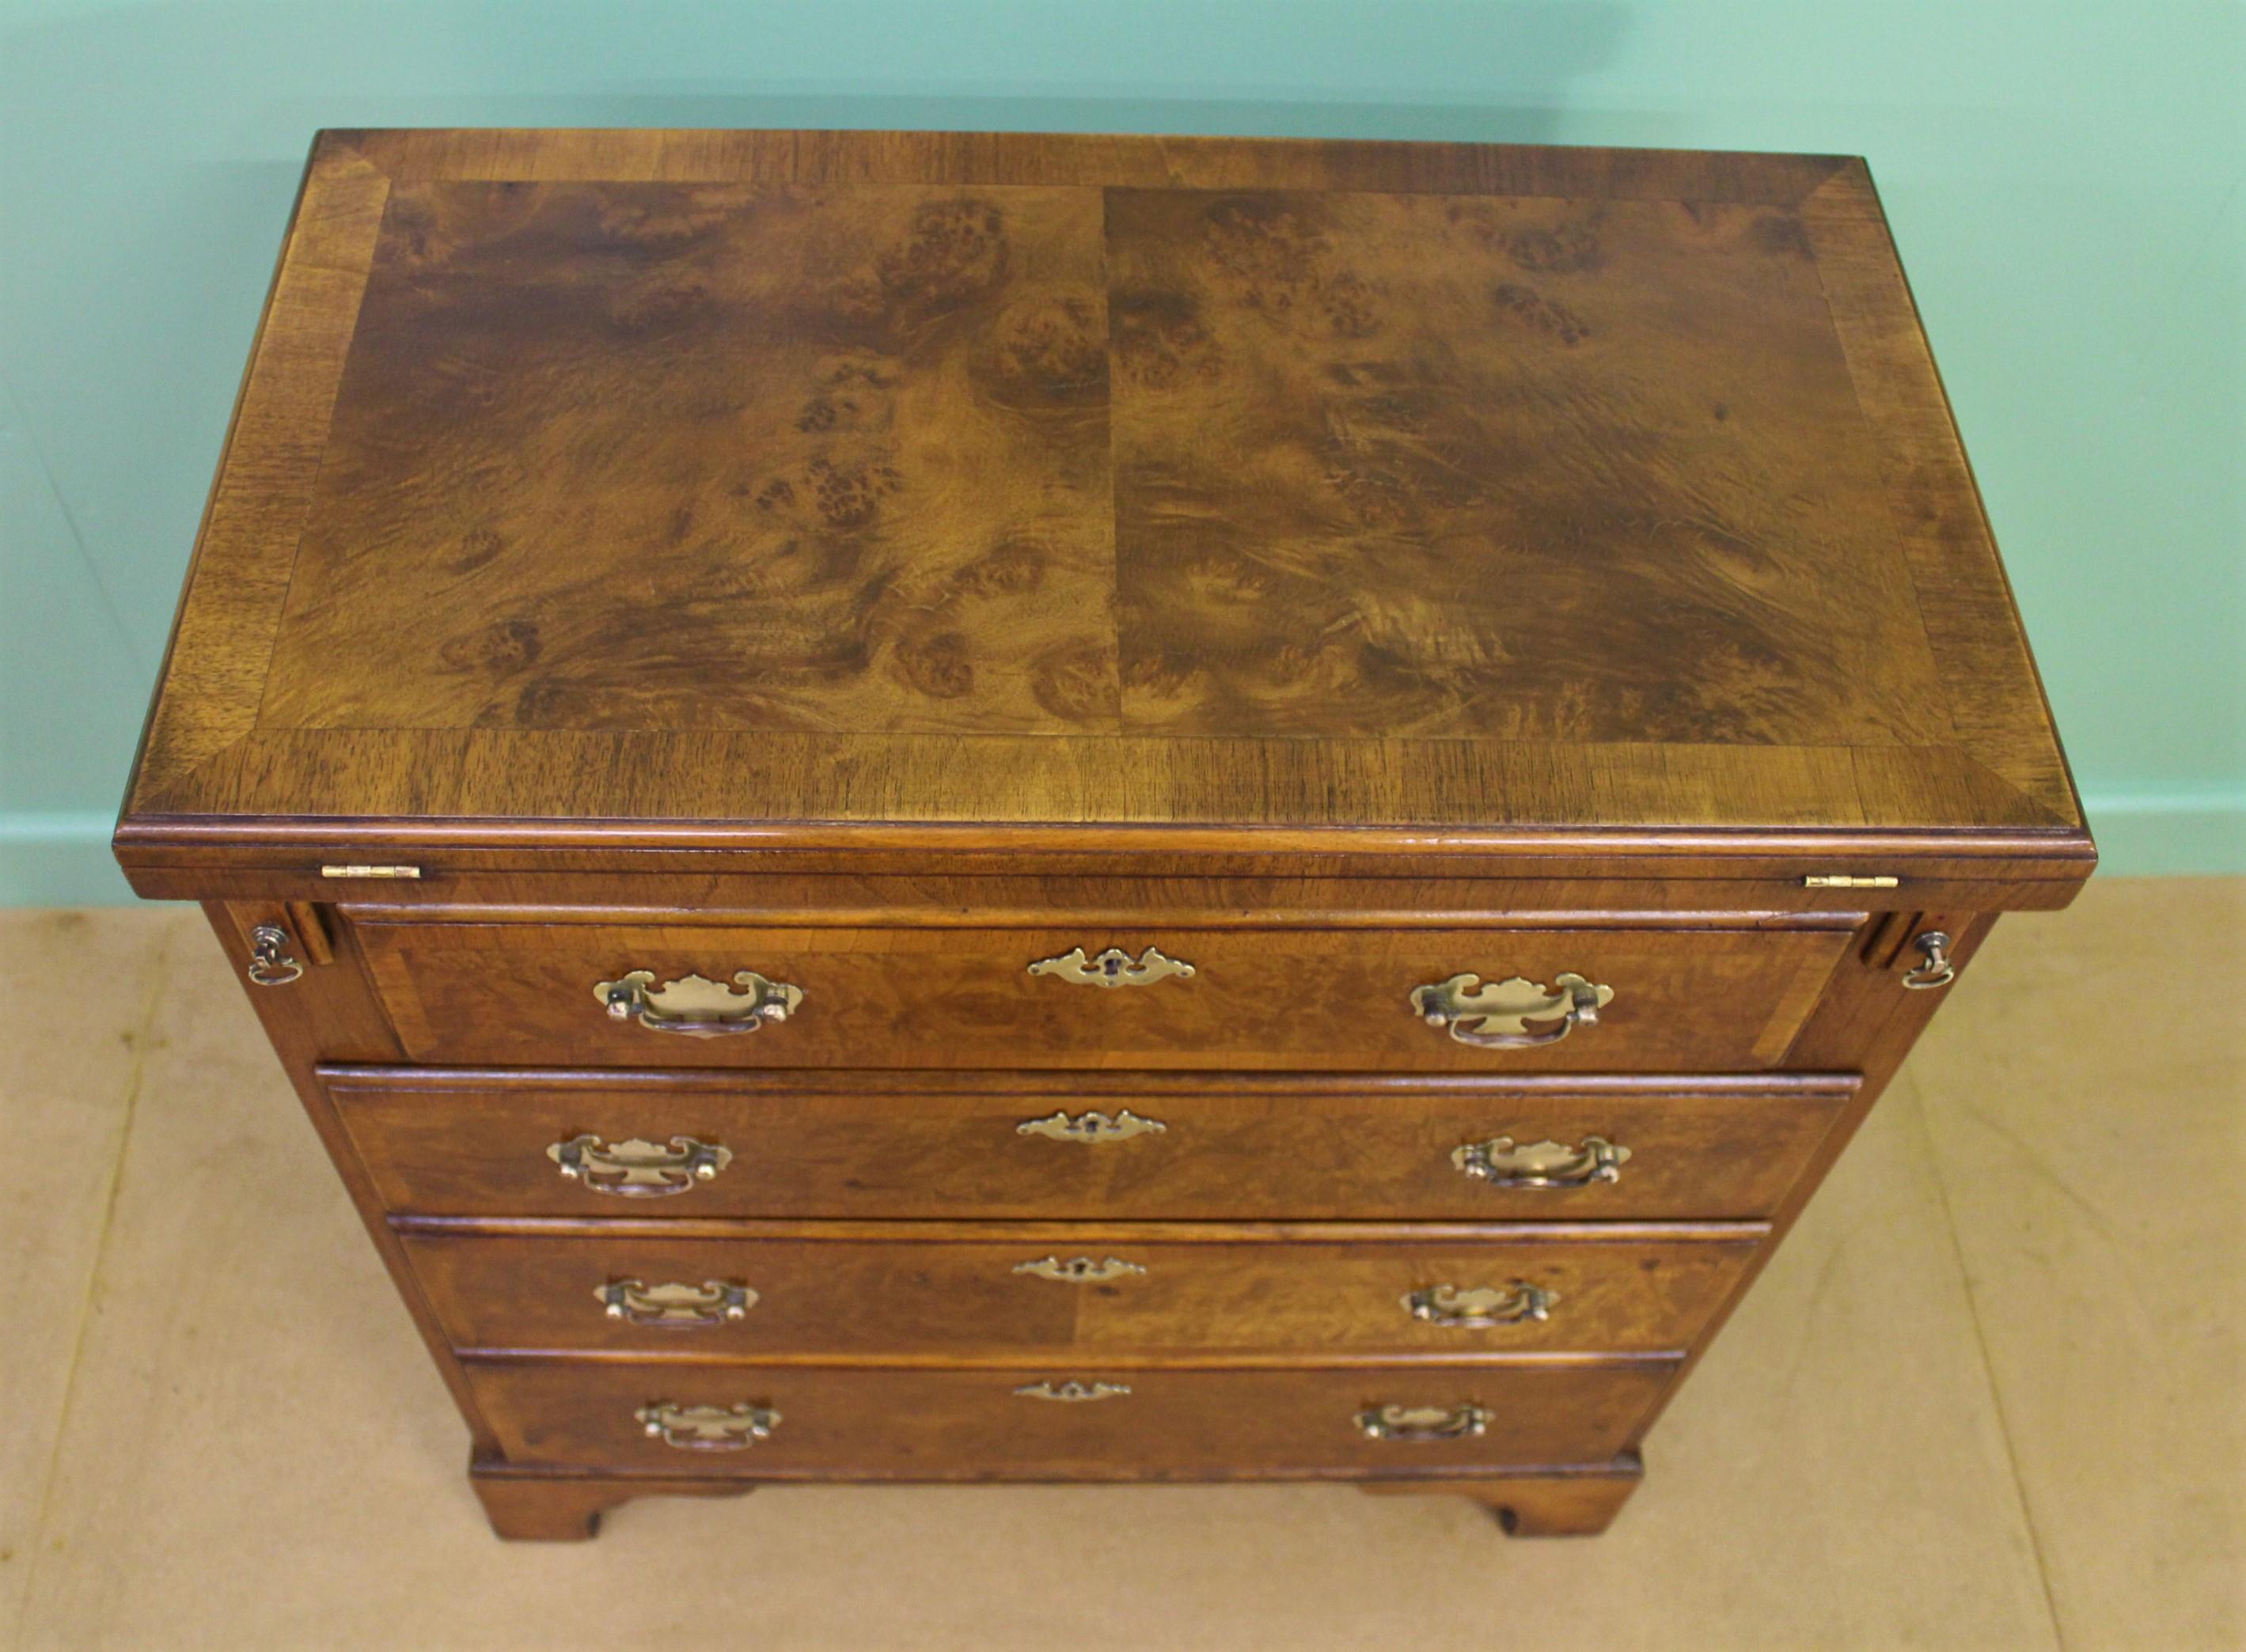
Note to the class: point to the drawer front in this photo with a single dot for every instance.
(806, 1294)
(913, 1147)
(876, 1423)
(1697, 1000)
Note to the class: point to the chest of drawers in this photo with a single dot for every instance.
(940, 808)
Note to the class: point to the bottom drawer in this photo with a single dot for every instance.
(1049, 1422)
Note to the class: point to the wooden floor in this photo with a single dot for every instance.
(1990, 1396)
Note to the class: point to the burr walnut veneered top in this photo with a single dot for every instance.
(899, 479)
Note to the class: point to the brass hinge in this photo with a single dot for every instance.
(369, 872)
(1847, 880)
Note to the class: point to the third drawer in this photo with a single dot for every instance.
(1140, 1147)
(1255, 1293)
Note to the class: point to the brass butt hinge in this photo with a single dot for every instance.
(1849, 880)
(369, 872)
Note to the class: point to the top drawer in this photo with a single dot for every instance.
(1539, 997)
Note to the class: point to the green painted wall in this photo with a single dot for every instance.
(2065, 181)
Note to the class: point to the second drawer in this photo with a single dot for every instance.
(825, 1291)
(1113, 1146)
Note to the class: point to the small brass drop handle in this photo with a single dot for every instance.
(1424, 1424)
(1937, 970)
(707, 1428)
(271, 963)
(1497, 1016)
(695, 1007)
(1481, 1310)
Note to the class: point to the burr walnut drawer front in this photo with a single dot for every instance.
(1141, 1146)
(812, 1291)
(1068, 1420)
(1589, 996)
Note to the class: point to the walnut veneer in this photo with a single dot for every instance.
(1092, 634)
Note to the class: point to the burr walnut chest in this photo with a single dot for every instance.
(919, 806)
